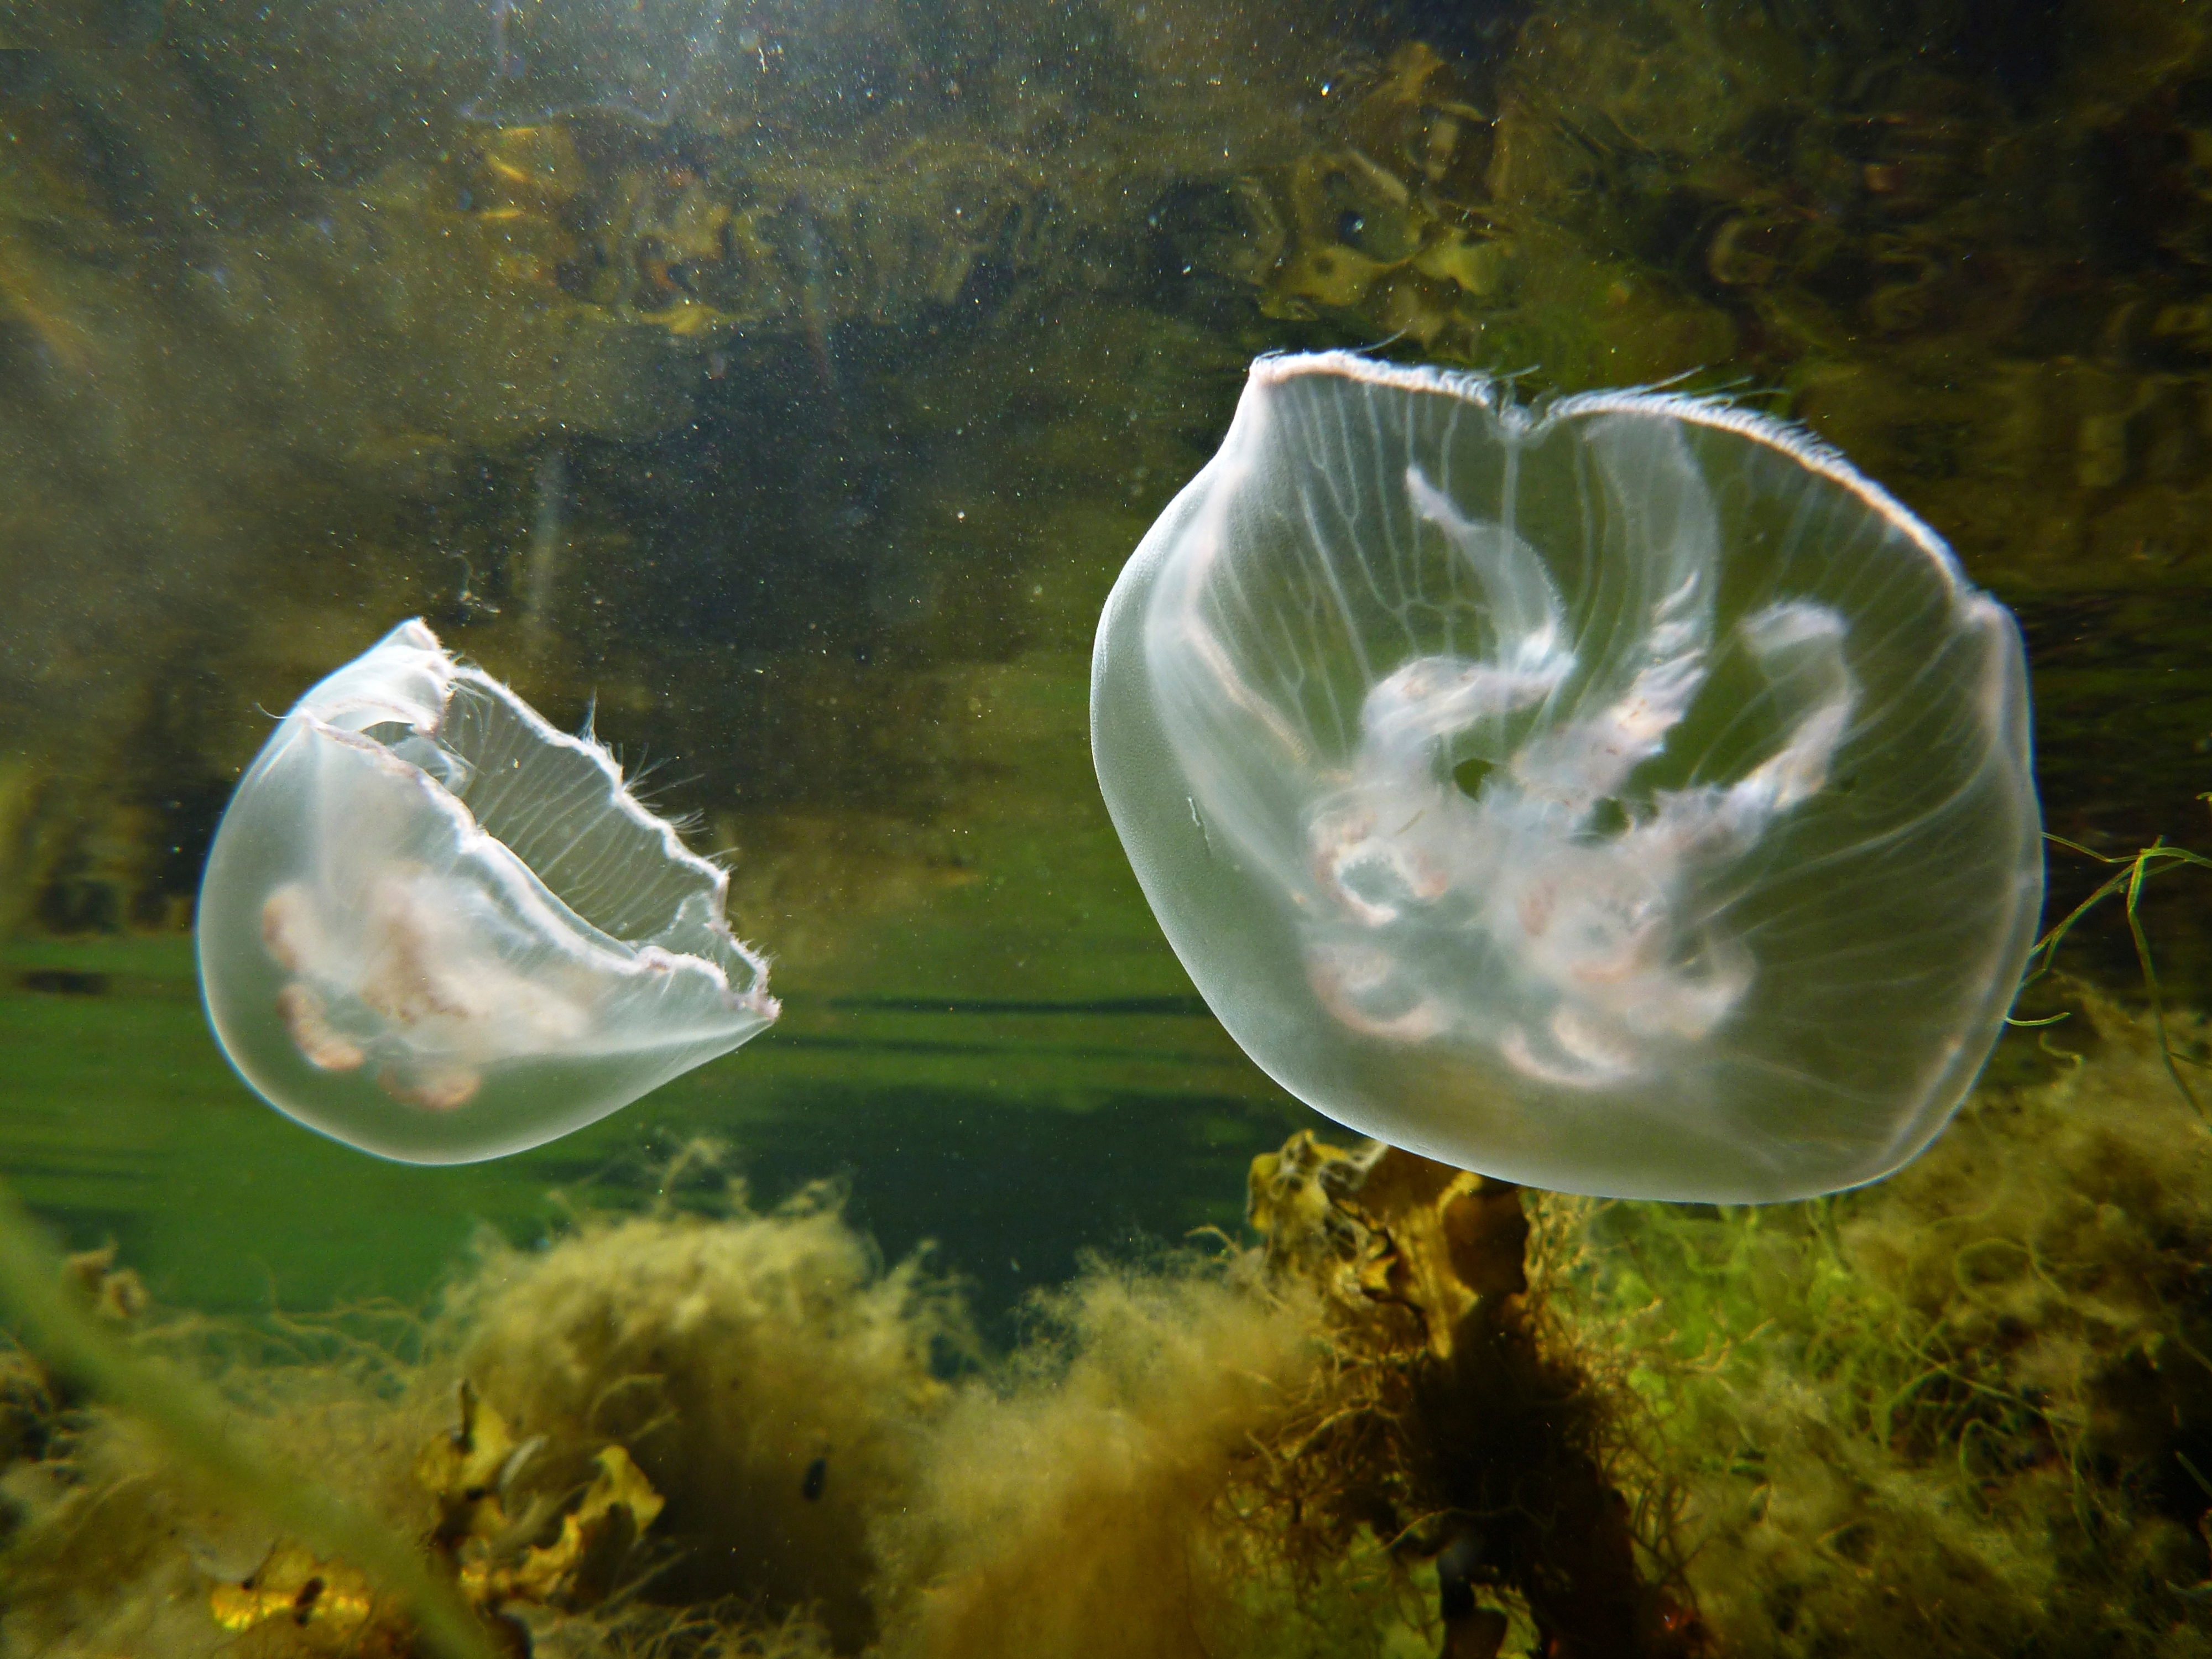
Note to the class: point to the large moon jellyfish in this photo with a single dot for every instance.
(1627, 797)
(436, 928)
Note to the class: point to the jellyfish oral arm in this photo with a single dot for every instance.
(1607, 969)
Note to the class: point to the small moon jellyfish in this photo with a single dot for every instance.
(1625, 797)
(436, 928)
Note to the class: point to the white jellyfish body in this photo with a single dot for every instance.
(436, 928)
(1627, 799)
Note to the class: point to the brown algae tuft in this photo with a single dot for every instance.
(770, 1383)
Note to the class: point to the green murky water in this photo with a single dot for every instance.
(802, 446)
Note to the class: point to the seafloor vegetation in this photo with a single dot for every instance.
(1961, 1412)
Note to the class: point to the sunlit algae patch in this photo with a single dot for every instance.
(1626, 798)
(435, 927)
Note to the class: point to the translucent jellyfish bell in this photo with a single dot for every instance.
(1627, 799)
(436, 928)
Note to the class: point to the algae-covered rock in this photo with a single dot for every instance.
(1959, 1412)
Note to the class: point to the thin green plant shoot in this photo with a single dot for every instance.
(2132, 874)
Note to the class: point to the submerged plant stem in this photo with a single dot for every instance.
(193, 1423)
(2134, 872)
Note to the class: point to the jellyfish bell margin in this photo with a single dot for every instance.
(436, 928)
(1626, 797)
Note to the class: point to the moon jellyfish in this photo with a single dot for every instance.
(1627, 797)
(438, 929)
(632, 57)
